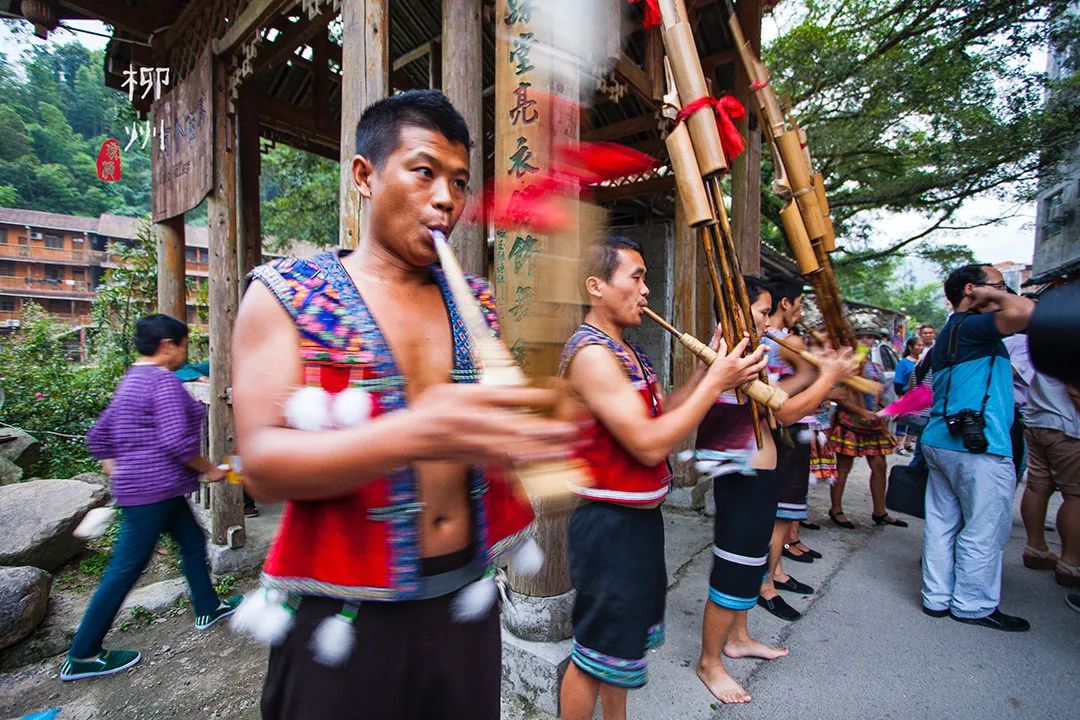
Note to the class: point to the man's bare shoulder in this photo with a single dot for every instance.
(596, 364)
(260, 318)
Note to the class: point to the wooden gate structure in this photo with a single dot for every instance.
(300, 72)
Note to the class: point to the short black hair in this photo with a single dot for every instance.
(927, 325)
(603, 257)
(784, 289)
(379, 127)
(152, 329)
(754, 287)
(960, 277)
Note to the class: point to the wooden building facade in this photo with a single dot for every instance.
(300, 72)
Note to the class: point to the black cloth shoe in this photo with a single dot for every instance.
(793, 585)
(251, 510)
(935, 613)
(809, 525)
(812, 553)
(779, 608)
(804, 558)
(841, 523)
(887, 519)
(998, 620)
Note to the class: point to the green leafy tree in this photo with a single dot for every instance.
(53, 121)
(49, 396)
(922, 303)
(300, 197)
(126, 293)
(920, 105)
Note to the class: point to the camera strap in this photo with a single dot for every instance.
(954, 342)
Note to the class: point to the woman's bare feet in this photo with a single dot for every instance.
(753, 648)
(720, 684)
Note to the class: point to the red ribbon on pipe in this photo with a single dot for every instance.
(652, 13)
(727, 110)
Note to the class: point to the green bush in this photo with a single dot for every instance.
(49, 392)
(50, 397)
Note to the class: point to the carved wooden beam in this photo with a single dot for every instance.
(251, 19)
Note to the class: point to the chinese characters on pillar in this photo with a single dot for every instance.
(521, 153)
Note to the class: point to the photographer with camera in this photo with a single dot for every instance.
(966, 443)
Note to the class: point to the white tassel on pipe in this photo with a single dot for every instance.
(527, 559)
(308, 409)
(264, 616)
(95, 523)
(334, 638)
(351, 407)
(475, 600)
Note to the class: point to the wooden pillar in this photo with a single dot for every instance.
(462, 68)
(365, 75)
(249, 167)
(684, 315)
(529, 123)
(746, 169)
(171, 278)
(226, 500)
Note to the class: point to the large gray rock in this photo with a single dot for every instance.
(21, 448)
(154, 598)
(37, 518)
(93, 478)
(24, 597)
(9, 472)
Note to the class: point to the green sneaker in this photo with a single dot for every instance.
(226, 608)
(106, 663)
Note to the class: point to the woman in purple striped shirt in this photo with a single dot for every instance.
(148, 442)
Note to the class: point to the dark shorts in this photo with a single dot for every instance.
(793, 472)
(745, 514)
(617, 567)
(411, 661)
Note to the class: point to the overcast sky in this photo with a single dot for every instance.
(1013, 239)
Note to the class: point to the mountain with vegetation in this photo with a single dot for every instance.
(55, 113)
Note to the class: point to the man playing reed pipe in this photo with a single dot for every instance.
(793, 374)
(356, 403)
(616, 536)
(746, 505)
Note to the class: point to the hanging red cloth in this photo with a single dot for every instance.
(652, 13)
(727, 110)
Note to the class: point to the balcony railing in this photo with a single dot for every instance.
(71, 318)
(45, 254)
(57, 288)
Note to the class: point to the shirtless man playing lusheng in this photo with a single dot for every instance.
(388, 517)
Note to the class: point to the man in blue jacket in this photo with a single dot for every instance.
(966, 442)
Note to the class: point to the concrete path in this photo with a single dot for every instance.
(863, 648)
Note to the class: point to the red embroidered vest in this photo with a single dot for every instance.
(366, 545)
(617, 476)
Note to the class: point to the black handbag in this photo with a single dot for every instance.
(907, 490)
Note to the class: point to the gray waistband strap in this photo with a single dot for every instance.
(433, 586)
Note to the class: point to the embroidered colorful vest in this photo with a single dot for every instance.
(366, 545)
(617, 476)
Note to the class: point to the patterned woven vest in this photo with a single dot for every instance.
(617, 476)
(366, 545)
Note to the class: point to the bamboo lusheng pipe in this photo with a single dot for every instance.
(690, 81)
(544, 480)
(765, 395)
(855, 382)
(733, 277)
(809, 231)
(692, 189)
(683, 161)
(828, 240)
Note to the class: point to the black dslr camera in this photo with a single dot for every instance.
(970, 426)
